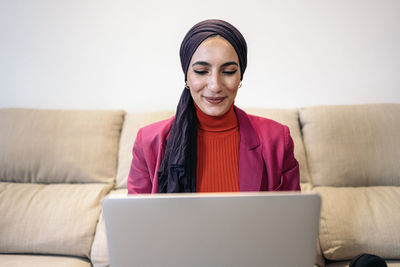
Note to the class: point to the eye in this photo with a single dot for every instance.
(200, 72)
(229, 72)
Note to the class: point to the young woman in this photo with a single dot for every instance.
(211, 145)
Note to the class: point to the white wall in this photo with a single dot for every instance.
(125, 54)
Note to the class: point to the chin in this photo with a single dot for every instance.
(216, 111)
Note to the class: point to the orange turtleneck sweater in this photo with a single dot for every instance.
(217, 152)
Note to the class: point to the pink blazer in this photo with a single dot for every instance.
(266, 159)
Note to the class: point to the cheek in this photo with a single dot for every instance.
(195, 93)
(194, 83)
(233, 85)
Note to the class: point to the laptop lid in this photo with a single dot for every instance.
(226, 229)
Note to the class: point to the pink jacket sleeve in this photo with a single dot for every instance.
(139, 180)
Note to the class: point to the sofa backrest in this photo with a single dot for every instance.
(55, 168)
(54, 146)
(134, 121)
(355, 145)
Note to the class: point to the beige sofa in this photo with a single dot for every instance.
(56, 166)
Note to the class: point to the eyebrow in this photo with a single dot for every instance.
(205, 63)
(229, 63)
(202, 63)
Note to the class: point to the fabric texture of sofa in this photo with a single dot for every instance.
(57, 166)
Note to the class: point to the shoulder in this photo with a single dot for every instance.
(263, 127)
(158, 126)
(261, 122)
(156, 132)
(268, 126)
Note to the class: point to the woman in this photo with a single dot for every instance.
(210, 145)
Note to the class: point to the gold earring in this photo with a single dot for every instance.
(186, 85)
(240, 85)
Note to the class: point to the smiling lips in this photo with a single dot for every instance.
(215, 100)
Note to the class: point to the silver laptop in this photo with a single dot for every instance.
(226, 229)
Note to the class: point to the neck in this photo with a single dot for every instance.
(225, 122)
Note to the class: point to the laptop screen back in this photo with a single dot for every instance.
(228, 229)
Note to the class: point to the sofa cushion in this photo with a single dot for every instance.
(135, 121)
(354, 145)
(306, 187)
(359, 220)
(55, 146)
(49, 219)
(99, 253)
(7, 260)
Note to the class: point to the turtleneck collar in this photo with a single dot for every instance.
(225, 122)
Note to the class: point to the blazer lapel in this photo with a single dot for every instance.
(251, 163)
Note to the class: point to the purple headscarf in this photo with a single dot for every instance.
(204, 29)
(177, 172)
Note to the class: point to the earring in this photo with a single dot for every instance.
(186, 85)
(240, 85)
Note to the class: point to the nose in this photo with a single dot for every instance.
(215, 83)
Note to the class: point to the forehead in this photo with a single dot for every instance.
(215, 48)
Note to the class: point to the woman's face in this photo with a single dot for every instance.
(214, 76)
